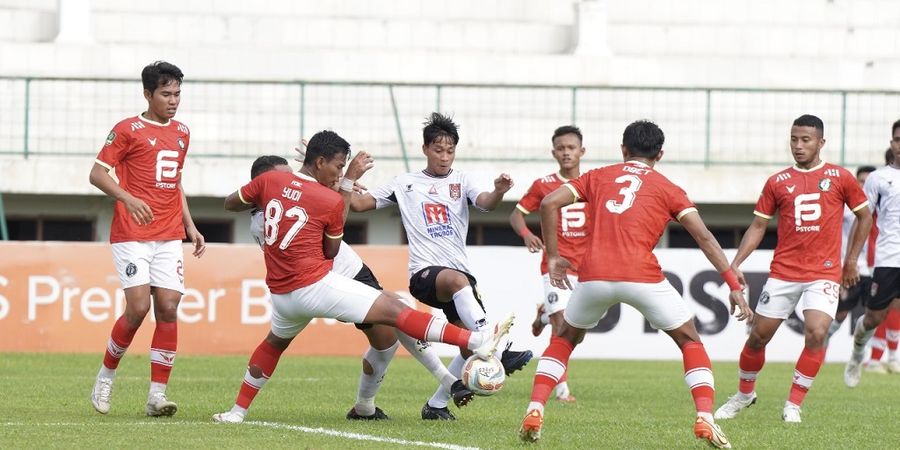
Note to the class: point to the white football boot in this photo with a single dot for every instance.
(100, 395)
(852, 372)
(158, 405)
(791, 413)
(735, 404)
(228, 417)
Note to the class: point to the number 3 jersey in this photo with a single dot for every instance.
(435, 214)
(574, 220)
(148, 158)
(810, 206)
(632, 204)
(298, 214)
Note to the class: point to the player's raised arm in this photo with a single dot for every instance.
(357, 167)
(713, 252)
(137, 208)
(487, 201)
(550, 206)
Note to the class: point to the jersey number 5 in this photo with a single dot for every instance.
(274, 213)
(628, 192)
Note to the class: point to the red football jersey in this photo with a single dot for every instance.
(574, 220)
(632, 205)
(148, 158)
(299, 213)
(810, 206)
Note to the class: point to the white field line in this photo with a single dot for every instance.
(277, 426)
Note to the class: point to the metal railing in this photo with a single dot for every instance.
(242, 119)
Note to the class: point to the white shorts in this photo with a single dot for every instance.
(780, 298)
(157, 263)
(660, 303)
(334, 296)
(556, 299)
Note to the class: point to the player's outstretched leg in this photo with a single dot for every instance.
(751, 362)
(421, 325)
(436, 407)
(260, 368)
(428, 358)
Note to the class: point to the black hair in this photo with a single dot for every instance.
(266, 163)
(159, 74)
(894, 127)
(439, 127)
(327, 144)
(643, 138)
(888, 157)
(809, 120)
(864, 169)
(566, 129)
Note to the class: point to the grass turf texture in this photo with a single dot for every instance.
(621, 404)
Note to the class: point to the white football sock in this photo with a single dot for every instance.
(106, 372)
(442, 394)
(861, 336)
(427, 357)
(369, 384)
(156, 387)
(470, 312)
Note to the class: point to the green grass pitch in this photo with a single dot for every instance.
(621, 404)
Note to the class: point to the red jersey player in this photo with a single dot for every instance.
(304, 224)
(632, 205)
(809, 199)
(150, 220)
(574, 223)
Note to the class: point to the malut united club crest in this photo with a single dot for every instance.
(455, 191)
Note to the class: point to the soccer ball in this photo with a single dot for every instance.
(483, 377)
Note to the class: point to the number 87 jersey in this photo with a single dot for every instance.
(299, 213)
(632, 204)
(810, 206)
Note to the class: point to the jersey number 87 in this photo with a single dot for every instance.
(274, 213)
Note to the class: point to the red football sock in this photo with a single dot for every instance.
(565, 376)
(426, 327)
(892, 331)
(551, 368)
(265, 357)
(804, 373)
(879, 341)
(162, 351)
(119, 340)
(698, 376)
(750, 364)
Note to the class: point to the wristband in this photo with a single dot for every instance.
(347, 184)
(524, 231)
(731, 279)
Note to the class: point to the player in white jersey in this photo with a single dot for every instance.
(434, 208)
(884, 201)
(383, 340)
(859, 293)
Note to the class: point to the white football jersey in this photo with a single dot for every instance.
(862, 262)
(346, 263)
(435, 214)
(884, 200)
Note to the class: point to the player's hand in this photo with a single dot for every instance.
(301, 151)
(533, 242)
(503, 183)
(138, 210)
(739, 275)
(199, 241)
(556, 268)
(739, 305)
(850, 275)
(360, 164)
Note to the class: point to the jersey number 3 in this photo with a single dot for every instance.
(627, 192)
(274, 213)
